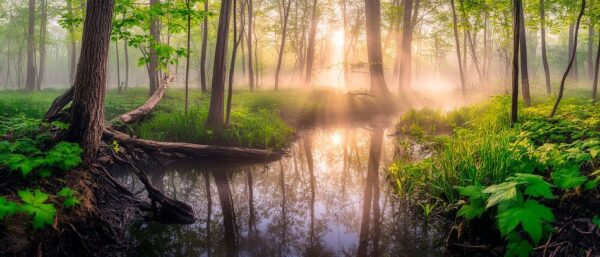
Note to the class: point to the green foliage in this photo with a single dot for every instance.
(7, 208)
(34, 205)
(568, 177)
(69, 197)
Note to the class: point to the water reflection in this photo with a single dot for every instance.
(328, 198)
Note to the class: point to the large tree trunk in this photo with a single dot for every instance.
(405, 73)
(515, 62)
(153, 65)
(43, 32)
(87, 117)
(573, 56)
(203, 51)
(310, 52)
(544, 51)
(524, 65)
(285, 14)
(595, 85)
(30, 77)
(375, 55)
(249, 42)
(457, 44)
(216, 111)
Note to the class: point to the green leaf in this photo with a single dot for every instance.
(517, 246)
(568, 177)
(33, 204)
(506, 191)
(530, 214)
(536, 185)
(69, 195)
(7, 208)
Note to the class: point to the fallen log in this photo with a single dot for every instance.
(193, 150)
(58, 104)
(138, 113)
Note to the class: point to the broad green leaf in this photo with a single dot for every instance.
(596, 220)
(530, 214)
(506, 191)
(536, 186)
(7, 208)
(69, 195)
(517, 246)
(33, 204)
(568, 177)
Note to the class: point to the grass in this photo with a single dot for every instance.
(260, 119)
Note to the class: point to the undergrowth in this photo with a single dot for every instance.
(516, 176)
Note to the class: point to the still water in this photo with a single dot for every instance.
(329, 197)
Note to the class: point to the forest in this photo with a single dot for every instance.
(299, 128)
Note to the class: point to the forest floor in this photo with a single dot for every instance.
(529, 188)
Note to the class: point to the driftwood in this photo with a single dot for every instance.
(194, 150)
(138, 113)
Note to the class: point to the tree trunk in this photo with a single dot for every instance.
(73, 46)
(286, 13)
(346, 43)
(203, 51)
(571, 61)
(87, 117)
(595, 85)
(375, 55)
(515, 62)
(126, 52)
(119, 86)
(43, 32)
(216, 111)
(187, 55)
(30, 77)
(574, 73)
(237, 38)
(153, 65)
(310, 52)
(249, 42)
(457, 43)
(227, 209)
(405, 73)
(474, 56)
(544, 51)
(591, 37)
(524, 65)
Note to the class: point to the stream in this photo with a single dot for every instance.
(328, 197)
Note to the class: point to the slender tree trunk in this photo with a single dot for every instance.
(457, 44)
(119, 85)
(571, 61)
(591, 37)
(73, 46)
(228, 211)
(126, 52)
(346, 45)
(286, 13)
(203, 51)
(524, 64)
(237, 37)
(310, 53)
(515, 62)
(574, 73)
(187, 55)
(474, 56)
(374, 52)
(153, 65)
(87, 117)
(31, 73)
(595, 85)
(43, 32)
(216, 111)
(405, 73)
(249, 42)
(544, 51)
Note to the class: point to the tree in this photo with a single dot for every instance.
(595, 84)
(457, 44)
(153, 66)
(87, 112)
(216, 112)
(408, 25)
(30, 77)
(249, 42)
(42, 50)
(204, 46)
(237, 38)
(285, 14)
(187, 54)
(518, 6)
(524, 64)
(310, 51)
(572, 57)
(374, 52)
(544, 51)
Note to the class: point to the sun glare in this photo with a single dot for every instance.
(336, 138)
(338, 38)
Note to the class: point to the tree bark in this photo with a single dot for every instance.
(216, 111)
(237, 37)
(153, 66)
(140, 112)
(571, 61)
(43, 32)
(87, 117)
(544, 51)
(204, 46)
(30, 77)
(515, 62)
(457, 44)
(524, 64)
(374, 52)
(405, 73)
(187, 55)
(126, 52)
(595, 85)
(591, 37)
(119, 85)
(249, 42)
(285, 14)
(310, 52)
(73, 46)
